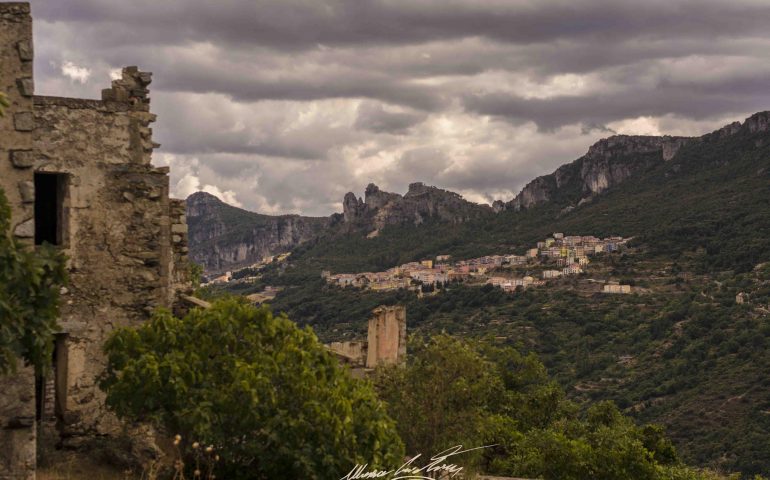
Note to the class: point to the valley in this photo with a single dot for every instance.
(687, 348)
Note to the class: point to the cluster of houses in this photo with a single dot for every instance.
(569, 254)
(227, 277)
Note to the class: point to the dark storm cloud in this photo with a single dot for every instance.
(303, 23)
(286, 104)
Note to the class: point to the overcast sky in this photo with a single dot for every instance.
(283, 106)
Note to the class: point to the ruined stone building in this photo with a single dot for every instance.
(78, 174)
(385, 342)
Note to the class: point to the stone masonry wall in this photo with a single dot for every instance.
(17, 405)
(118, 236)
(125, 240)
(179, 265)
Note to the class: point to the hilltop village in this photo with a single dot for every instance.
(554, 257)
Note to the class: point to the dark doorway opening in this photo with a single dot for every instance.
(49, 208)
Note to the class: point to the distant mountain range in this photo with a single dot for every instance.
(225, 237)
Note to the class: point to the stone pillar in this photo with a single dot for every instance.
(17, 159)
(387, 336)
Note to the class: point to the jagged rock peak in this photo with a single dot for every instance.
(419, 188)
(420, 203)
(352, 207)
(374, 198)
(759, 122)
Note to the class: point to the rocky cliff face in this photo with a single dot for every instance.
(419, 204)
(609, 162)
(224, 237)
(612, 161)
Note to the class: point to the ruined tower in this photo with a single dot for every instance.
(78, 174)
(387, 336)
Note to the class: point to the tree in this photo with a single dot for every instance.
(442, 398)
(477, 393)
(30, 281)
(265, 393)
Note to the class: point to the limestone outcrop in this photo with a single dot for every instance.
(223, 237)
(420, 204)
(608, 163)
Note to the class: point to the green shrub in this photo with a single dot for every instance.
(265, 393)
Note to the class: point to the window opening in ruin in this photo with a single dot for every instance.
(50, 189)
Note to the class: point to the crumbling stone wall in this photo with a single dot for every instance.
(125, 240)
(179, 265)
(118, 235)
(17, 392)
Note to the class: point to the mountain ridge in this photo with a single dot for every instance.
(608, 163)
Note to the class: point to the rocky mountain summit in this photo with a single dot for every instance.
(613, 160)
(607, 163)
(420, 203)
(224, 237)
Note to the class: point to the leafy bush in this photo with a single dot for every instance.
(476, 393)
(30, 281)
(267, 395)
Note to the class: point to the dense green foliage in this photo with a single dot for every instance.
(30, 281)
(683, 353)
(265, 393)
(454, 392)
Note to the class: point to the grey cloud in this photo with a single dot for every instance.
(199, 124)
(375, 118)
(600, 109)
(291, 103)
